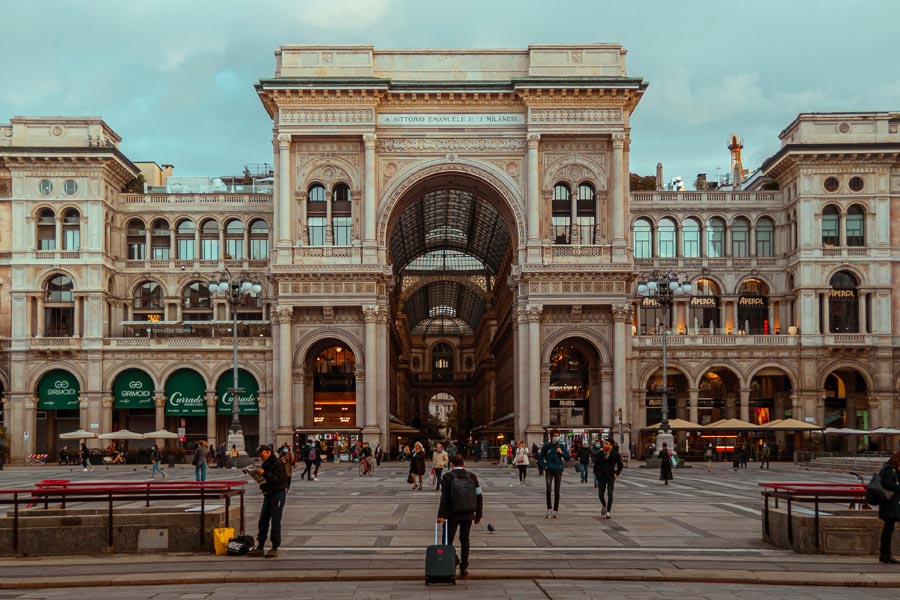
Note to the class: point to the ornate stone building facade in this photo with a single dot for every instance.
(446, 224)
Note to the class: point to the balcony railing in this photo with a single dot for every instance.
(214, 265)
(55, 255)
(196, 198)
(56, 343)
(700, 262)
(575, 254)
(650, 341)
(719, 199)
(334, 254)
(200, 343)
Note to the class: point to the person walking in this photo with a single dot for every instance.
(439, 461)
(553, 456)
(461, 505)
(378, 454)
(521, 461)
(233, 456)
(274, 494)
(86, 458)
(764, 453)
(155, 459)
(584, 459)
(745, 456)
(535, 453)
(665, 464)
(200, 461)
(477, 451)
(504, 451)
(451, 450)
(708, 456)
(220, 456)
(889, 511)
(417, 464)
(308, 454)
(288, 465)
(316, 456)
(607, 468)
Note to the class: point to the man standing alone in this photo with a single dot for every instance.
(273, 489)
(553, 458)
(607, 468)
(764, 454)
(461, 505)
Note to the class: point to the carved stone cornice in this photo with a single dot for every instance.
(327, 116)
(575, 116)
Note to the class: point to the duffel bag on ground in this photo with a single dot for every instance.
(240, 545)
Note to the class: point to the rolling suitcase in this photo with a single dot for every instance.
(440, 560)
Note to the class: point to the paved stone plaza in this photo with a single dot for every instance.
(369, 534)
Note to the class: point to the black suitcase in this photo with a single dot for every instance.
(440, 560)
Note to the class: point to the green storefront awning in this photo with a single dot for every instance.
(185, 394)
(58, 390)
(248, 400)
(133, 388)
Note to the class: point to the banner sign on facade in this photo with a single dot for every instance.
(58, 390)
(248, 398)
(451, 119)
(133, 389)
(753, 301)
(704, 302)
(185, 394)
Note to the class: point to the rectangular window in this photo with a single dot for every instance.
(136, 251)
(830, 232)
(259, 249)
(186, 249)
(855, 235)
(59, 322)
(47, 244)
(739, 243)
(235, 248)
(764, 243)
(209, 249)
(317, 230)
(715, 245)
(342, 227)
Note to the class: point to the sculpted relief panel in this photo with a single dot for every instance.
(328, 116)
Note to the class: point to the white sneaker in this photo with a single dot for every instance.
(315, 478)
(603, 511)
(609, 515)
(555, 515)
(549, 512)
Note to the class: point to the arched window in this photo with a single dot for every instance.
(316, 214)
(71, 230)
(562, 213)
(666, 237)
(585, 219)
(196, 302)
(442, 362)
(46, 229)
(690, 238)
(753, 307)
(259, 240)
(341, 215)
(856, 226)
(643, 239)
(137, 239)
(843, 303)
(209, 240)
(160, 240)
(831, 226)
(715, 238)
(765, 237)
(59, 307)
(234, 240)
(147, 300)
(184, 235)
(740, 238)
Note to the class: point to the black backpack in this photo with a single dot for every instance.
(875, 493)
(240, 545)
(463, 497)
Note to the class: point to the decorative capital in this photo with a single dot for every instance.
(283, 314)
(107, 402)
(211, 399)
(533, 313)
(533, 139)
(159, 400)
(370, 313)
(284, 139)
(369, 140)
(618, 140)
(360, 373)
(621, 312)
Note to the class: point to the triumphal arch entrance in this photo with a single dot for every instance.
(451, 224)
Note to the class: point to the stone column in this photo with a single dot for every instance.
(607, 404)
(745, 404)
(826, 313)
(107, 403)
(361, 398)
(371, 316)
(574, 233)
(329, 229)
(693, 408)
(159, 404)
(370, 201)
(211, 418)
(863, 299)
(771, 317)
(621, 314)
(617, 175)
(533, 193)
(39, 317)
(76, 319)
(285, 197)
(598, 208)
(523, 416)
(299, 397)
(284, 399)
(545, 396)
(533, 316)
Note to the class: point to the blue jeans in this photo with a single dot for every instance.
(156, 469)
(200, 471)
(272, 508)
(583, 470)
(606, 485)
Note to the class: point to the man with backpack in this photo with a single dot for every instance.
(553, 458)
(461, 505)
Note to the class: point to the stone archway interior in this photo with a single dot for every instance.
(334, 385)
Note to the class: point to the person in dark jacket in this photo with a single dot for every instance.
(584, 460)
(305, 454)
(607, 468)
(417, 464)
(889, 511)
(316, 460)
(273, 489)
(665, 464)
(535, 453)
(457, 519)
(553, 458)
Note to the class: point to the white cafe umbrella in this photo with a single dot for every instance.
(122, 434)
(161, 434)
(78, 434)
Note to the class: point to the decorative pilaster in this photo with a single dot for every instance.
(535, 399)
(533, 194)
(617, 196)
(693, 399)
(211, 418)
(284, 315)
(159, 404)
(621, 314)
(372, 316)
(285, 198)
(370, 202)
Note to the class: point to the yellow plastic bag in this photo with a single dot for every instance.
(221, 537)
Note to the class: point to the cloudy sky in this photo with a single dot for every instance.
(175, 78)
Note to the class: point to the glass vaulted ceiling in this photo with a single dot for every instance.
(446, 247)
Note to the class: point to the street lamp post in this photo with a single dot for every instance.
(235, 291)
(664, 288)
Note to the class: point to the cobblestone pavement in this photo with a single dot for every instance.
(703, 527)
